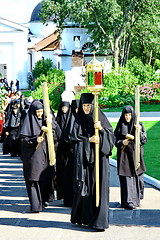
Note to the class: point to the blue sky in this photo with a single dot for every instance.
(18, 11)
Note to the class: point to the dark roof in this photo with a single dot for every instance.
(48, 43)
(35, 13)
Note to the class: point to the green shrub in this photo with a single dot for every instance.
(144, 73)
(54, 92)
(157, 64)
(3, 93)
(42, 67)
(53, 76)
(55, 95)
(120, 87)
(55, 79)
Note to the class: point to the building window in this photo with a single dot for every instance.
(75, 38)
(77, 43)
(59, 65)
(87, 47)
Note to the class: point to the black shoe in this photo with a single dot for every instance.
(45, 204)
(99, 230)
(129, 206)
(13, 155)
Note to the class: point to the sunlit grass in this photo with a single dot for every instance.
(143, 108)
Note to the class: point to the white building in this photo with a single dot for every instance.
(24, 42)
(13, 51)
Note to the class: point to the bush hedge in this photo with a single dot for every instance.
(119, 87)
(55, 79)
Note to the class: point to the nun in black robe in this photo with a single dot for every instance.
(39, 176)
(12, 125)
(62, 119)
(84, 210)
(62, 116)
(69, 160)
(131, 180)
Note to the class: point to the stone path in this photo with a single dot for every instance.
(16, 223)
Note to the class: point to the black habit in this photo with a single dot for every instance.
(84, 210)
(63, 148)
(12, 125)
(131, 180)
(68, 163)
(39, 176)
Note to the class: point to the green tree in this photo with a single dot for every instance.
(110, 23)
(145, 34)
(42, 66)
(56, 84)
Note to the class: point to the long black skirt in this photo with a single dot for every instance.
(84, 210)
(132, 190)
(34, 194)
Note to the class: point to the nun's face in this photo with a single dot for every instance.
(39, 113)
(64, 109)
(86, 108)
(128, 116)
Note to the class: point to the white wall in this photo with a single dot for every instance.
(6, 56)
(68, 41)
(13, 49)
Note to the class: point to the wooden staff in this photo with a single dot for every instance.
(137, 130)
(96, 150)
(50, 139)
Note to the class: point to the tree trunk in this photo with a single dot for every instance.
(127, 52)
(122, 50)
(150, 58)
(125, 48)
(116, 53)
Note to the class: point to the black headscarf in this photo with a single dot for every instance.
(32, 125)
(13, 115)
(74, 106)
(87, 120)
(62, 117)
(71, 118)
(124, 127)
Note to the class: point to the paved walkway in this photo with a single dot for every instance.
(16, 223)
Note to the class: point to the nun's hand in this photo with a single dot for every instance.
(94, 139)
(97, 125)
(125, 142)
(40, 139)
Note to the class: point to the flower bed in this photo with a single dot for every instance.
(152, 102)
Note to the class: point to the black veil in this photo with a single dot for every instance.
(62, 118)
(32, 125)
(87, 120)
(124, 127)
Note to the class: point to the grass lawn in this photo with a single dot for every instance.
(27, 93)
(151, 148)
(143, 108)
